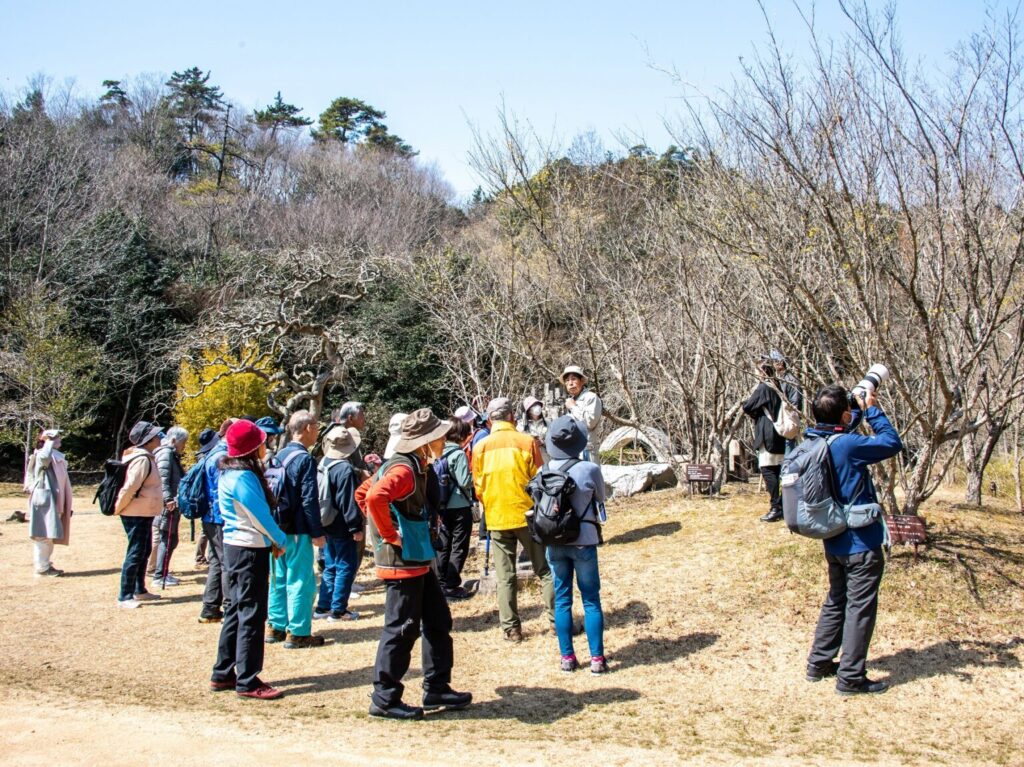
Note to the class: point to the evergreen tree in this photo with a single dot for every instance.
(194, 104)
(279, 115)
(348, 121)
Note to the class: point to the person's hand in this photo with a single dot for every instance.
(357, 536)
(276, 550)
(570, 402)
(870, 399)
(321, 541)
(170, 505)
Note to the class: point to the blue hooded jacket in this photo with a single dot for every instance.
(851, 455)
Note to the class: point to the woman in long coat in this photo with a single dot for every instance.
(47, 482)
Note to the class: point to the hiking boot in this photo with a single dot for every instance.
(202, 561)
(867, 687)
(274, 635)
(816, 674)
(457, 594)
(569, 663)
(358, 588)
(51, 572)
(319, 614)
(216, 617)
(220, 685)
(514, 635)
(598, 665)
(772, 516)
(263, 692)
(128, 604)
(293, 642)
(447, 699)
(146, 596)
(18, 516)
(337, 615)
(398, 710)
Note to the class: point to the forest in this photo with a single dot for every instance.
(168, 255)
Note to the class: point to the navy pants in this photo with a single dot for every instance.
(341, 560)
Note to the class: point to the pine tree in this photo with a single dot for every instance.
(279, 115)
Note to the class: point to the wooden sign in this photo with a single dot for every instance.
(700, 474)
(907, 528)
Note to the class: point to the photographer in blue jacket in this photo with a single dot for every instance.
(855, 557)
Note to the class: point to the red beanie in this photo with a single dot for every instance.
(244, 437)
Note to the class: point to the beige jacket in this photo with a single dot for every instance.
(142, 478)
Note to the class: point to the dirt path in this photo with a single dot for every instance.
(708, 612)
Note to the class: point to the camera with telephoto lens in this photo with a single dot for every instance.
(874, 378)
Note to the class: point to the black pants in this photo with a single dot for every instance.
(216, 591)
(140, 543)
(771, 476)
(847, 618)
(413, 606)
(240, 650)
(458, 525)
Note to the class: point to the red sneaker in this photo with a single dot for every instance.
(263, 692)
(217, 685)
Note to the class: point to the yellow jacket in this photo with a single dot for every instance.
(502, 465)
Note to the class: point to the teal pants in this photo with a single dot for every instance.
(293, 588)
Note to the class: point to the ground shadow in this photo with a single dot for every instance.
(542, 705)
(342, 680)
(642, 533)
(633, 613)
(955, 657)
(348, 633)
(488, 620)
(657, 650)
(91, 573)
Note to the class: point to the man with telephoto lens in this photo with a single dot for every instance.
(855, 557)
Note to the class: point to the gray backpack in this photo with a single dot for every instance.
(328, 511)
(809, 504)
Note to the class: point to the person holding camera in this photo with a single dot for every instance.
(762, 406)
(855, 557)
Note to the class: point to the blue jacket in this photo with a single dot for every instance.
(343, 479)
(212, 470)
(243, 506)
(300, 499)
(851, 455)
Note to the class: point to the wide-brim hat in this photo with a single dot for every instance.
(269, 425)
(420, 428)
(573, 370)
(566, 438)
(142, 432)
(208, 440)
(244, 437)
(340, 442)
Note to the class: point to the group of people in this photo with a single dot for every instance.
(269, 511)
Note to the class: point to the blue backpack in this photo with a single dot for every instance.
(447, 484)
(193, 502)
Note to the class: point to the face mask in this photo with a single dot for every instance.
(536, 411)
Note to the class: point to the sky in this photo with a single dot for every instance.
(440, 69)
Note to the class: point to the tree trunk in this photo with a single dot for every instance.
(974, 468)
(1018, 491)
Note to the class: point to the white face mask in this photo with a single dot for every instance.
(536, 412)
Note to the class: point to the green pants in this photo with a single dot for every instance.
(293, 588)
(503, 545)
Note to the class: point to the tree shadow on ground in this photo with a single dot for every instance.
(633, 613)
(91, 573)
(642, 533)
(342, 680)
(542, 705)
(346, 633)
(656, 650)
(955, 657)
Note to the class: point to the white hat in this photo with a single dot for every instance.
(573, 370)
(395, 430)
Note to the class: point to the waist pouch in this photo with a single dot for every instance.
(416, 545)
(862, 514)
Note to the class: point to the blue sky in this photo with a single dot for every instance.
(437, 67)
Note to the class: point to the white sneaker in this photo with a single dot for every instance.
(147, 597)
(128, 604)
(170, 580)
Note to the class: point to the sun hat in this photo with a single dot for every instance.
(420, 428)
(208, 440)
(466, 414)
(566, 438)
(499, 407)
(340, 442)
(269, 425)
(573, 370)
(395, 432)
(142, 432)
(243, 438)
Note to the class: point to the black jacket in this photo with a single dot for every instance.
(765, 435)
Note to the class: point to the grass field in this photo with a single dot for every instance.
(709, 617)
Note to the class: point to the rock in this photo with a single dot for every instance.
(657, 442)
(630, 480)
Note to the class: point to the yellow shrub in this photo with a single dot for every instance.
(225, 394)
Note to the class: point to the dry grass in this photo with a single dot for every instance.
(709, 616)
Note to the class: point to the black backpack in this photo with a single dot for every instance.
(554, 521)
(284, 513)
(114, 474)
